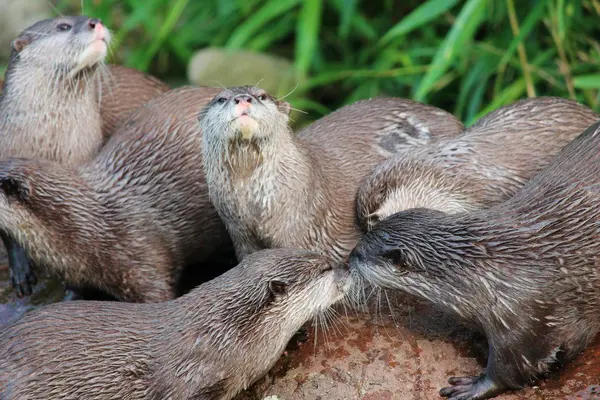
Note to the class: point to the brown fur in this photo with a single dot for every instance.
(123, 91)
(280, 189)
(526, 271)
(485, 165)
(130, 220)
(209, 344)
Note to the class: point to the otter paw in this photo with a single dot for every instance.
(470, 388)
(23, 279)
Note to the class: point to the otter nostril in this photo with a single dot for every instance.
(93, 22)
(243, 98)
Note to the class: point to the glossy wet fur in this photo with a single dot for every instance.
(525, 271)
(274, 188)
(484, 165)
(208, 344)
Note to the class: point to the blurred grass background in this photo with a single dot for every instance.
(468, 57)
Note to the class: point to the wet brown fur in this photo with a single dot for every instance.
(526, 271)
(123, 91)
(206, 345)
(485, 165)
(130, 220)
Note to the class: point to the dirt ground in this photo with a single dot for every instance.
(375, 355)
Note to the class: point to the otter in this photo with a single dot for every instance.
(130, 220)
(525, 271)
(49, 104)
(274, 188)
(484, 165)
(208, 344)
(61, 103)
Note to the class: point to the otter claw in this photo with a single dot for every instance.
(22, 276)
(470, 388)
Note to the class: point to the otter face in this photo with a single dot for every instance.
(288, 285)
(400, 252)
(244, 113)
(66, 44)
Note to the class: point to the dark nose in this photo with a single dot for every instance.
(357, 256)
(93, 22)
(243, 98)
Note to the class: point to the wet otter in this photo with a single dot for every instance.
(49, 103)
(276, 189)
(209, 344)
(484, 165)
(526, 271)
(128, 221)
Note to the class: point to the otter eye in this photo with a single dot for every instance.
(221, 100)
(278, 288)
(63, 27)
(262, 97)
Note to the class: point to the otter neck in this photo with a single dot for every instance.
(279, 178)
(233, 331)
(50, 115)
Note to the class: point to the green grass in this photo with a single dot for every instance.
(467, 57)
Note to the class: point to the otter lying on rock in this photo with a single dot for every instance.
(526, 271)
(208, 344)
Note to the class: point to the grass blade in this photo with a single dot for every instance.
(462, 31)
(587, 81)
(425, 13)
(307, 34)
(268, 12)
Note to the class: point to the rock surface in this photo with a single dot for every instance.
(407, 356)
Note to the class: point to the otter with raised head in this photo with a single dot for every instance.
(483, 166)
(208, 344)
(526, 271)
(274, 188)
(49, 104)
(60, 102)
(129, 221)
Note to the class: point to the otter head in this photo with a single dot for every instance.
(269, 296)
(66, 45)
(410, 251)
(244, 114)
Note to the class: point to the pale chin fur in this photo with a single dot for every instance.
(94, 53)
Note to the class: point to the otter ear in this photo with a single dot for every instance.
(285, 107)
(278, 288)
(21, 42)
(14, 189)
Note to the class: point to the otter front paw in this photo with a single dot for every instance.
(471, 388)
(22, 276)
(23, 280)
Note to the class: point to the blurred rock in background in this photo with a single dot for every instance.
(17, 15)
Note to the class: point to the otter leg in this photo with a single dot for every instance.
(501, 374)
(22, 276)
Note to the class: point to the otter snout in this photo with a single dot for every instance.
(98, 28)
